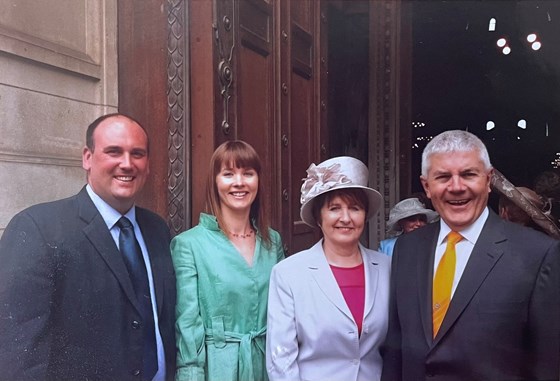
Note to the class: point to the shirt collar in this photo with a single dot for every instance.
(108, 213)
(471, 233)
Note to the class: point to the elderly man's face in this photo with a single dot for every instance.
(458, 185)
(118, 165)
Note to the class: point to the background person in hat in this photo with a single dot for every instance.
(406, 216)
(509, 211)
(328, 305)
(524, 206)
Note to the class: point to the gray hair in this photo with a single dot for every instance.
(454, 141)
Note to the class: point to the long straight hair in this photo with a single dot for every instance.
(237, 154)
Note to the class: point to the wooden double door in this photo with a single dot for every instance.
(271, 60)
(300, 80)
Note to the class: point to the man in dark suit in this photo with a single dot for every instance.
(72, 307)
(495, 313)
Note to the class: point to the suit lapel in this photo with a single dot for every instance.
(323, 276)
(424, 257)
(486, 253)
(154, 247)
(99, 236)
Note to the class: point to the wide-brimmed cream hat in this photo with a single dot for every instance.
(407, 208)
(341, 172)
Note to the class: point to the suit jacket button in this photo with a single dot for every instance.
(135, 372)
(135, 324)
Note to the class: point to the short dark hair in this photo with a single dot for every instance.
(90, 142)
(352, 196)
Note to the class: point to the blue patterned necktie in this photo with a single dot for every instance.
(132, 255)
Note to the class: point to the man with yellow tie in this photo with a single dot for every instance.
(473, 297)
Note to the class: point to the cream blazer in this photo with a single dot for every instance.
(311, 334)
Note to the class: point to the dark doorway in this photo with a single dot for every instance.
(348, 79)
(463, 79)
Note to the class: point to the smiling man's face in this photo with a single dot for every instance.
(458, 185)
(118, 164)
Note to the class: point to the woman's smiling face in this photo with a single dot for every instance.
(342, 222)
(237, 187)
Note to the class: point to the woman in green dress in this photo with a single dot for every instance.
(223, 268)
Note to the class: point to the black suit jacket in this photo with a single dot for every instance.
(67, 306)
(503, 322)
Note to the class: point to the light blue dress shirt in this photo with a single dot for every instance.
(387, 245)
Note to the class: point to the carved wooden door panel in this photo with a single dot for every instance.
(257, 70)
(268, 94)
(301, 110)
(245, 93)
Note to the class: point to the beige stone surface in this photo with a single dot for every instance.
(58, 72)
(36, 124)
(25, 184)
(62, 33)
(21, 73)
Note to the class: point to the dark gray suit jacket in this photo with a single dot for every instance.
(503, 322)
(67, 306)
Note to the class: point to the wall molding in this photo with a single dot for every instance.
(8, 157)
(80, 57)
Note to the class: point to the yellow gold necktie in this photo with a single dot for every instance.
(443, 281)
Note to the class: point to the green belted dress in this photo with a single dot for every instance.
(221, 304)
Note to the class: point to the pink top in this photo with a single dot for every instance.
(352, 283)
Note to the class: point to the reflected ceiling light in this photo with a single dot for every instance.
(533, 39)
(490, 125)
(522, 123)
(501, 42)
(556, 162)
(492, 25)
(506, 50)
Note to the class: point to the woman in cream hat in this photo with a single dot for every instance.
(328, 305)
(406, 216)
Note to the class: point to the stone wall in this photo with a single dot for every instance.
(58, 72)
